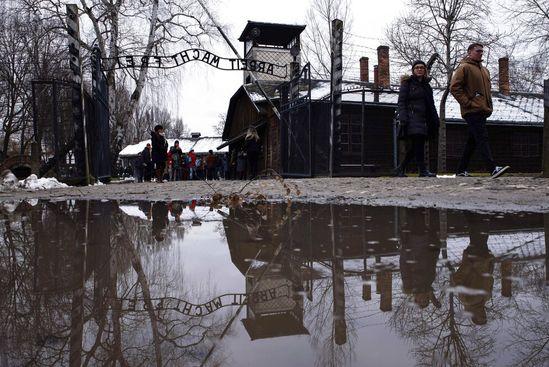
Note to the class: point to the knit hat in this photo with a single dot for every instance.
(417, 62)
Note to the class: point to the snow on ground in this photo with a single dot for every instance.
(8, 182)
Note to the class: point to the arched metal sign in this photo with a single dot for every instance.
(203, 309)
(194, 54)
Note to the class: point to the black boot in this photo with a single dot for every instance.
(426, 173)
(399, 171)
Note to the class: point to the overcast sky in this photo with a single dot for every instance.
(204, 92)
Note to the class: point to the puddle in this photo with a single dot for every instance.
(173, 284)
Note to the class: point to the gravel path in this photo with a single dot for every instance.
(507, 194)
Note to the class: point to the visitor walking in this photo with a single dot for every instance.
(211, 163)
(192, 165)
(253, 149)
(146, 158)
(418, 118)
(471, 87)
(176, 155)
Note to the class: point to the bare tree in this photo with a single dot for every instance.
(28, 52)
(177, 129)
(529, 47)
(316, 47)
(445, 27)
(14, 101)
(140, 123)
(220, 125)
(121, 27)
(533, 19)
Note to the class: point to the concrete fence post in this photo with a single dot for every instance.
(545, 156)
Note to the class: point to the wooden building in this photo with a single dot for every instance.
(295, 133)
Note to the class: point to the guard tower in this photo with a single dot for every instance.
(271, 42)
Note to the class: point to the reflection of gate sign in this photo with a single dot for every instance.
(190, 309)
(194, 54)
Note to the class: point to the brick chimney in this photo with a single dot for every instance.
(504, 87)
(383, 68)
(364, 69)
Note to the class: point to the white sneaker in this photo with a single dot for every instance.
(498, 171)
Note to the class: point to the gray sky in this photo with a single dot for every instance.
(204, 92)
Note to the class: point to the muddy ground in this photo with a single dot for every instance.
(507, 194)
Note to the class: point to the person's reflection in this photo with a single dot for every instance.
(475, 271)
(159, 220)
(145, 207)
(419, 252)
(176, 209)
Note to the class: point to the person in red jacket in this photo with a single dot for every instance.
(192, 165)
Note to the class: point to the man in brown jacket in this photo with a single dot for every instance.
(471, 87)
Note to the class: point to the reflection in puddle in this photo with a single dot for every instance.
(103, 283)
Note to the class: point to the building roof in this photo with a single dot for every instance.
(275, 325)
(518, 109)
(200, 146)
(255, 96)
(271, 33)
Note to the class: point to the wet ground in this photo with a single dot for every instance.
(509, 194)
(174, 283)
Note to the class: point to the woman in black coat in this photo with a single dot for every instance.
(418, 117)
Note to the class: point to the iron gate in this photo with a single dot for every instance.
(58, 134)
(295, 129)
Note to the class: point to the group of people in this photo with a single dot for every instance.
(418, 117)
(158, 162)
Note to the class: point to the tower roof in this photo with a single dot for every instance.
(271, 33)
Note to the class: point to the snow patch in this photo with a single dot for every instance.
(8, 182)
(34, 183)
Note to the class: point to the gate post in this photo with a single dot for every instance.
(78, 113)
(545, 156)
(336, 87)
(294, 95)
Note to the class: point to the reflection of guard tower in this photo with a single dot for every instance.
(273, 309)
(271, 42)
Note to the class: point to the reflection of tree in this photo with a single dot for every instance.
(441, 335)
(38, 292)
(530, 331)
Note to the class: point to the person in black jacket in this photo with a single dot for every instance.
(418, 117)
(159, 151)
(146, 159)
(253, 150)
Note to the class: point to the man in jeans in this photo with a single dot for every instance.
(471, 87)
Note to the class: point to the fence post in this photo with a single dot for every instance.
(546, 129)
(336, 87)
(78, 103)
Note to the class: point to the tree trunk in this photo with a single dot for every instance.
(140, 82)
(441, 159)
(545, 157)
(6, 144)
